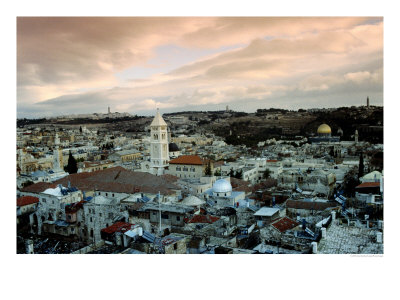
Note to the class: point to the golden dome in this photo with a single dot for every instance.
(324, 128)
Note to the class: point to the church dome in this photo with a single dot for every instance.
(172, 147)
(324, 129)
(222, 186)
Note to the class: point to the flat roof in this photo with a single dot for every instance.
(266, 211)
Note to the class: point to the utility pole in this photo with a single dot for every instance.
(159, 209)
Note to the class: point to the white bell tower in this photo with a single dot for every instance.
(57, 155)
(158, 144)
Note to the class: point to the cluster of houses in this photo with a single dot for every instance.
(159, 195)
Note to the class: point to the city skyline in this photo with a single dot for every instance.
(75, 65)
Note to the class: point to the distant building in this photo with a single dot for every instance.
(125, 155)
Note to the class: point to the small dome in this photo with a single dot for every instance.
(172, 147)
(222, 186)
(324, 128)
(192, 201)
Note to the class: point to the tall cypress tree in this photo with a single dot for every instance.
(208, 169)
(361, 166)
(72, 166)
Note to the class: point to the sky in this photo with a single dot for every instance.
(75, 65)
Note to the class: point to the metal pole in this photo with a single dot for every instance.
(159, 209)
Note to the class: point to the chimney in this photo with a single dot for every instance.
(379, 239)
(323, 232)
(29, 247)
(314, 246)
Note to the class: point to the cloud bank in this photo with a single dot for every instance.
(82, 65)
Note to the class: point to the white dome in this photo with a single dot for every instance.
(222, 186)
(192, 201)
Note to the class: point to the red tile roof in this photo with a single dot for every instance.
(26, 200)
(285, 224)
(311, 205)
(187, 160)
(120, 180)
(203, 219)
(272, 160)
(74, 207)
(39, 187)
(118, 227)
(368, 185)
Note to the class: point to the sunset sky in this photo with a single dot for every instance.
(73, 65)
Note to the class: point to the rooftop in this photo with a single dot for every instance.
(166, 207)
(203, 219)
(117, 227)
(266, 211)
(298, 204)
(26, 200)
(187, 160)
(368, 185)
(285, 224)
(120, 180)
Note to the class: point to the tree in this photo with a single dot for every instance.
(217, 172)
(267, 173)
(238, 174)
(26, 183)
(350, 182)
(72, 166)
(231, 173)
(80, 129)
(208, 169)
(361, 166)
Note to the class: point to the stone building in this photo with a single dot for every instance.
(187, 166)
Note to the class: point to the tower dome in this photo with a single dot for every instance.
(324, 129)
(222, 186)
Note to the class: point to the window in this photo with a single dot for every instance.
(178, 218)
(100, 214)
(175, 246)
(91, 219)
(106, 194)
(43, 200)
(178, 168)
(164, 216)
